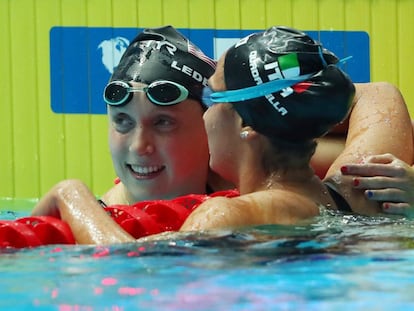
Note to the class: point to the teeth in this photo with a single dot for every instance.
(145, 169)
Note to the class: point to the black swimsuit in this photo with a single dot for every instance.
(339, 200)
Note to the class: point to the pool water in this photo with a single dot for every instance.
(334, 262)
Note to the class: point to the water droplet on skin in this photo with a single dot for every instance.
(337, 178)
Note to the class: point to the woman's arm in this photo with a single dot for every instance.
(74, 203)
(379, 123)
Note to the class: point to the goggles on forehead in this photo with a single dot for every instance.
(161, 92)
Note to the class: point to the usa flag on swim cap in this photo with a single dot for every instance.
(198, 53)
(165, 54)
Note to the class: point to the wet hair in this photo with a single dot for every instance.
(282, 155)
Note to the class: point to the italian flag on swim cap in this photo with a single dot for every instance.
(289, 65)
(290, 68)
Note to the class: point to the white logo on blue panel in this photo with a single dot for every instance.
(112, 51)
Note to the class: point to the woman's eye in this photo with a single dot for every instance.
(162, 122)
(165, 123)
(122, 122)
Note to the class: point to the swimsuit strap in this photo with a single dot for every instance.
(341, 203)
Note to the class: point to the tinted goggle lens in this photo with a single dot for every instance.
(117, 93)
(161, 92)
(166, 92)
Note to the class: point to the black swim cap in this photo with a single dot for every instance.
(302, 112)
(165, 54)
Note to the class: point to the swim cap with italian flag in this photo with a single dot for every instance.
(303, 111)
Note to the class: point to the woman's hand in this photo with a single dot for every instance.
(385, 179)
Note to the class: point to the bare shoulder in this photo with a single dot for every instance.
(263, 207)
(375, 88)
(214, 213)
(114, 195)
(281, 206)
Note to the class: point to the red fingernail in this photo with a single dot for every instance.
(344, 169)
(386, 206)
(356, 182)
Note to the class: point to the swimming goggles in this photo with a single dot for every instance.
(209, 97)
(161, 92)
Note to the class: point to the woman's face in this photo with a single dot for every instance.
(223, 126)
(159, 152)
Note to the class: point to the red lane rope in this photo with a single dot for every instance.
(140, 219)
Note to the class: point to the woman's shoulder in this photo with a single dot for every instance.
(276, 206)
(280, 197)
(115, 195)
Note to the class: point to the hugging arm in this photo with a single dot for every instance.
(73, 202)
(379, 123)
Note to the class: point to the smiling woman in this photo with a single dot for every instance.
(157, 138)
(155, 113)
(150, 146)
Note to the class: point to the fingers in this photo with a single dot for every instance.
(398, 209)
(385, 158)
(394, 201)
(380, 182)
(387, 195)
(390, 192)
(379, 165)
(373, 170)
(387, 180)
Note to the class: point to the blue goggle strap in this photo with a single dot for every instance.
(256, 90)
(260, 89)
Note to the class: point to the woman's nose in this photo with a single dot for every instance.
(142, 142)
